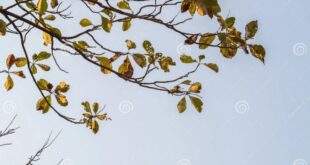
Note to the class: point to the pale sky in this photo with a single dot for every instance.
(273, 129)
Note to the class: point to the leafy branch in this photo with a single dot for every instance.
(136, 67)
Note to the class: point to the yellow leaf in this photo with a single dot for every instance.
(197, 103)
(130, 44)
(106, 24)
(50, 17)
(9, 83)
(102, 117)
(42, 6)
(206, 40)
(195, 88)
(61, 99)
(126, 24)
(47, 38)
(3, 25)
(95, 107)
(63, 87)
(182, 105)
(105, 63)
(126, 68)
(95, 126)
(43, 105)
(20, 62)
(85, 22)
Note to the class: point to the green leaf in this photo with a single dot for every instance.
(228, 49)
(95, 127)
(42, 6)
(95, 107)
(123, 5)
(197, 103)
(230, 22)
(107, 12)
(201, 57)
(85, 22)
(140, 60)
(31, 6)
(43, 84)
(56, 31)
(43, 105)
(86, 106)
(147, 45)
(20, 62)
(212, 66)
(34, 69)
(165, 63)
(126, 24)
(130, 44)
(182, 105)
(43, 56)
(187, 59)
(106, 24)
(251, 29)
(2, 27)
(186, 82)
(105, 63)
(206, 40)
(258, 51)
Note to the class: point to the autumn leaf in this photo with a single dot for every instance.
(20, 62)
(182, 105)
(140, 59)
(61, 99)
(95, 127)
(10, 61)
(47, 38)
(42, 105)
(197, 103)
(85, 22)
(126, 68)
(195, 87)
(3, 26)
(42, 6)
(9, 83)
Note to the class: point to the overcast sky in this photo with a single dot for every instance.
(254, 114)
